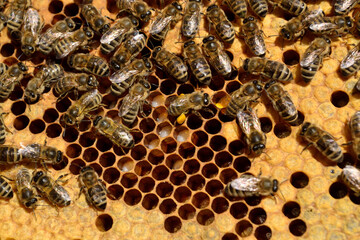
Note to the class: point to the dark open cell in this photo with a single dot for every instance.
(196, 182)
(61, 165)
(218, 143)
(90, 154)
(17, 93)
(217, 83)
(142, 168)
(73, 150)
(205, 217)
(232, 86)
(55, 6)
(213, 126)
(147, 125)
(354, 198)
(128, 180)
(53, 130)
(291, 57)
(76, 165)
(111, 175)
(223, 159)
(57, 17)
(98, 169)
(266, 124)
(282, 130)
(229, 236)
(146, 184)
(115, 192)
(208, 112)
(164, 189)
(253, 201)
(338, 190)
(37, 126)
(244, 228)
(227, 175)
(111, 6)
(172, 224)
(242, 164)
(156, 157)
(200, 200)
(7, 50)
(187, 212)
(104, 222)
(205, 154)
(70, 134)
(167, 206)
(210, 170)
(168, 87)
(103, 144)
(194, 121)
(150, 201)
(239, 210)
(214, 187)
(138, 152)
(291, 209)
(186, 150)
(160, 172)
(220, 205)
(87, 139)
(237, 147)
(63, 105)
(297, 227)
(182, 194)
(257, 216)
(299, 180)
(50, 115)
(339, 99)
(168, 145)
(132, 197)
(263, 233)
(177, 177)
(71, 9)
(106, 159)
(191, 166)
(348, 160)
(110, 101)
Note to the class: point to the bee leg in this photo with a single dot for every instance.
(6, 128)
(348, 143)
(308, 145)
(59, 179)
(11, 180)
(81, 190)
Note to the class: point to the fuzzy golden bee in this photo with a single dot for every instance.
(10, 155)
(253, 36)
(191, 21)
(93, 17)
(295, 7)
(350, 175)
(13, 75)
(138, 8)
(89, 63)
(26, 192)
(5, 188)
(15, 13)
(33, 24)
(223, 27)
(41, 153)
(351, 62)
(336, 26)
(259, 7)
(238, 7)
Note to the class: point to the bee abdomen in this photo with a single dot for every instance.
(329, 148)
(351, 69)
(177, 69)
(232, 108)
(226, 31)
(232, 192)
(130, 117)
(295, 7)
(5, 189)
(238, 6)
(201, 70)
(260, 7)
(120, 88)
(2, 133)
(9, 155)
(58, 199)
(97, 196)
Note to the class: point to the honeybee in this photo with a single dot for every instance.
(134, 101)
(165, 20)
(89, 63)
(295, 7)
(268, 68)
(191, 20)
(27, 192)
(331, 26)
(88, 102)
(171, 63)
(296, 26)
(354, 125)
(50, 188)
(94, 189)
(33, 23)
(45, 154)
(253, 36)
(238, 7)
(282, 102)
(259, 7)
(94, 19)
(138, 8)
(248, 185)
(3, 128)
(223, 27)
(351, 63)
(241, 98)
(5, 188)
(115, 131)
(10, 155)
(44, 78)
(343, 7)
(15, 13)
(79, 38)
(76, 82)
(13, 75)
(61, 29)
(197, 62)
(351, 177)
(184, 103)
(219, 60)
(323, 142)
(3, 68)
(112, 38)
(128, 50)
(313, 57)
(124, 79)
(3, 20)
(249, 124)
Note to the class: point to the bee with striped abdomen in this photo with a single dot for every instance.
(89, 63)
(323, 141)
(253, 36)
(343, 7)
(336, 26)
(45, 154)
(354, 125)
(138, 8)
(33, 24)
(3, 128)
(26, 191)
(351, 62)
(268, 68)
(313, 57)
(15, 13)
(197, 62)
(223, 27)
(191, 20)
(350, 175)
(14, 74)
(5, 188)
(172, 64)
(259, 7)
(295, 7)
(238, 7)
(10, 155)
(93, 17)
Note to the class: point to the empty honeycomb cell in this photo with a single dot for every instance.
(71, 10)
(37, 126)
(338, 190)
(132, 197)
(150, 201)
(172, 224)
(109, 101)
(18, 108)
(7, 50)
(84, 125)
(98, 169)
(142, 168)
(291, 209)
(147, 125)
(160, 172)
(208, 112)
(55, 6)
(186, 150)
(217, 83)
(194, 121)
(76, 165)
(16, 94)
(146, 110)
(73, 150)
(253, 201)
(199, 138)
(164, 129)
(90, 154)
(167, 206)
(138, 152)
(191, 166)
(146, 184)
(266, 124)
(220, 205)
(291, 57)
(299, 180)
(21, 122)
(57, 17)
(213, 126)
(348, 160)
(187, 212)
(50, 115)
(103, 144)
(164, 189)
(61, 165)
(196, 182)
(263, 233)
(223, 159)
(111, 175)
(242, 164)
(185, 89)
(177, 177)
(70, 134)
(339, 99)
(87, 139)
(151, 141)
(205, 217)
(174, 161)
(200, 200)
(168, 145)
(297, 227)
(229, 236)
(354, 198)
(237, 147)
(239, 210)
(232, 86)
(128, 180)
(137, 135)
(156, 157)
(115, 192)
(181, 133)
(282, 130)
(104, 222)
(210, 170)
(63, 105)
(106, 159)
(168, 87)
(244, 228)
(53, 130)
(214, 187)
(120, 151)
(227, 175)
(257, 216)
(218, 143)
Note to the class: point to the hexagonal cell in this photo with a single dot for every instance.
(182, 194)
(98, 169)
(181, 133)
(164, 189)
(53, 130)
(70, 134)
(187, 212)
(239, 210)
(338, 190)
(160, 114)
(282, 130)
(191, 166)
(213, 126)
(257, 216)
(205, 217)
(151, 141)
(103, 144)
(167, 206)
(147, 125)
(156, 157)
(164, 129)
(299, 180)
(210, 170)
(111, 175)
(339, 99)
(138, 152)
(217, 83)
(194, 121)
(150, 201)
(244, 228)
(172, 224)
(242, 164)
(199, 138)
(291, 209)
(200, 200)
(185, 89)
(223, 159)
(177, 177)
(297, 227)
(263, 233)
(104, 222)
(50, 115)
(107, 159)
(266, 124)
(160, 172)
(73, 150)
(196, 182)
(61, 165)
(115, 192)
(37, 126)
(253, 201)
(168, 87)
(142, 168)
(156, 99)
(229, 236)
(18, 108)
(90, 154)
(348, 160)
(220, 205)
(7, 50)
(214, 187)
(55, 6)
(87, 139)
(146, 184)
(291, 57)
(132, 197)
(186, 150)
(227, 175)
(129, 180)
(205, 154)
(218, 143)
(168, 145)
(63, 105)
(76, 165)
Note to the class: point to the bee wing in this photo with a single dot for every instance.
(312, 14)
(51, 36)
(352, 174)
(71, 47)
(259, 43)
(29, 151)
(88, 97)
(111, 34)
(62, 192)
(248, 120)
(345, 4)
(319, 27)
(128, 102)
(122, 75)
(223, 61)
(194, 21)
(246, 182)
(32, 21)
(159, 24)
(310, 56)
(351, 58)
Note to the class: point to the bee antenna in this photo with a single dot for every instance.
(267, 155)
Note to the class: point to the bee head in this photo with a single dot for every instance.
(211, 7)
(285, 34)
(328, 41)
(88, 32)
(348, 22)
(246, 64)
(31, 96)
(155, 52)
(248, 19)
(147, 63)
(145, 83)
(269, 84)
(85, 169)
(96, 120)
(30, 203)
(22, 67)
(189, 43)
(146, 16)
(304, 128)
(134, 20)
(59, 156)
(208, 39)
(70, 23)
(275, 185)
(177, 6)
(37, 175)
(91, 81)
(258, 147)
(206, 99)
(258, 86)
(3, 17)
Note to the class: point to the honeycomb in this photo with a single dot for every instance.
(169, 186)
